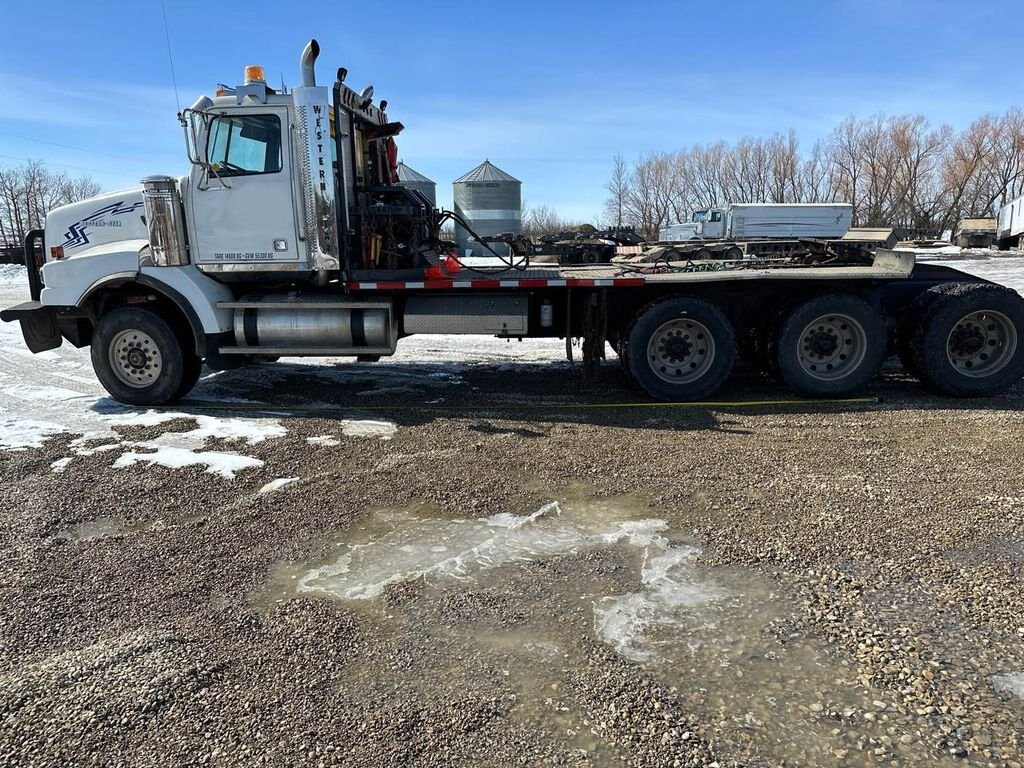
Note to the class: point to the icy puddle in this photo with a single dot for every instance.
(101, 528)
(529, 603)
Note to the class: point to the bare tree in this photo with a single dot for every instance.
(618, 191)
(29, 191)
(897, 171)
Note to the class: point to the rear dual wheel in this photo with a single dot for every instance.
(964, 339)
(829, 346)
(680, 349)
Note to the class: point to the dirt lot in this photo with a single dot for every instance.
(755, 585)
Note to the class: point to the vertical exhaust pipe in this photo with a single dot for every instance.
(307, 63)
(317, 183)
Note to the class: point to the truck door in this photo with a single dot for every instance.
(714, 226)
(242, 207)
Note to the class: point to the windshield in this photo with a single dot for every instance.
(700, 216)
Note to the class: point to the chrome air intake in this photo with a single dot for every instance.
(165, 222)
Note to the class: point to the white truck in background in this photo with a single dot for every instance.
(1010, 225)
(762, 230)
(757, 229)
(764, 221)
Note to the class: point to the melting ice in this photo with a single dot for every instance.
(448, 552)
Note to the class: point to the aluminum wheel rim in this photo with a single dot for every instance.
(135, 358)
(831, 347)
(681, 351)
(981, 344)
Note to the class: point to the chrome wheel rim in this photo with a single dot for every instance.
(831, 347)
(681, 351)
(981, 344)
(135, 358)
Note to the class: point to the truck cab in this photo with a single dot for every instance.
(707, 224)
(710, 223)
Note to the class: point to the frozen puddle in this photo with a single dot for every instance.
(521, 600)
(672, 585)
(101, 528)
(1012, 683)
(402, 546)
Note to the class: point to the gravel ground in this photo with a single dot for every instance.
(873, 551)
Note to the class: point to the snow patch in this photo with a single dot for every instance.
(383, 430)
(251, 430)
(325, 440)
(216, 462)
(13, 275)
(278, 484)
(18, 433)
(60, 464)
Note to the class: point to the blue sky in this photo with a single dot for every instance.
(549, 91)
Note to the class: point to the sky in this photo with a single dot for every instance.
(548, 91)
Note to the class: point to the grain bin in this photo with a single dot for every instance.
(491, 202)
(407, 177)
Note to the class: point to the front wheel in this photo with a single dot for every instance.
(681, 349)
(139, 359)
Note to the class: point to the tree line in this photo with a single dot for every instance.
(897, 171)
(29, 191)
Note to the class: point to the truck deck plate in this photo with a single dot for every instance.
(887, 266)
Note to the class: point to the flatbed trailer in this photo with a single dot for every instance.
(796, 248)
(302, 245)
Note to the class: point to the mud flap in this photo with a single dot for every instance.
(38, 325)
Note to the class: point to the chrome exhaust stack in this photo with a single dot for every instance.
(307, 63)
(319, 197)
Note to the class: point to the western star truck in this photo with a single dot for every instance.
(290, 236)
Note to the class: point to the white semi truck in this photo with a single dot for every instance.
(764, 221)
(290, 236)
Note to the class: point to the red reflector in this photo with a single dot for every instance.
(136, 299)
(57, 252)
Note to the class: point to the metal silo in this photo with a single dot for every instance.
(491, 202)
(407, 177)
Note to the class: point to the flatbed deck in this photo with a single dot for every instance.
(888, 265)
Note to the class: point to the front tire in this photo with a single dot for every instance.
(681, 349)
(139, 359)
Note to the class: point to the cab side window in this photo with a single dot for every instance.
(244, 145)
(716, 216)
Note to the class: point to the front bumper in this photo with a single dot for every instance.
(39, 325)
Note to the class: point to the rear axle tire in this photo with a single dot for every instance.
(680, 349)
(910, 324)
(139, 359)
(830, 346)
(968, 341)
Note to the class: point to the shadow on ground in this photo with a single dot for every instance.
(410, 394)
